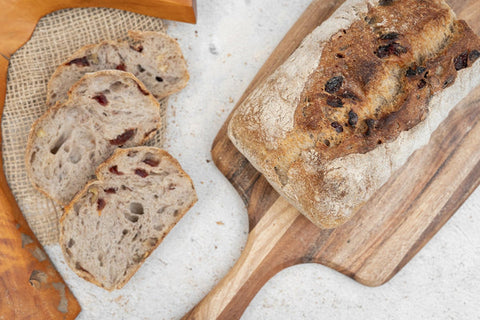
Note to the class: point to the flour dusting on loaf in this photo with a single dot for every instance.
(362, 92)
(269, 108)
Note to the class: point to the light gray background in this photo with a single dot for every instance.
(224, 51)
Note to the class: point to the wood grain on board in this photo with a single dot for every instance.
(30, 287)
(386, 232)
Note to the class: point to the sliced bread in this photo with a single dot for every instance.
(115, 222)
(105, 110)
(154, 57)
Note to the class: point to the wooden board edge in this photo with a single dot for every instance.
(27, 275)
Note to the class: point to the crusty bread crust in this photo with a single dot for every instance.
(325, 184)
(112, 160)
(33, 130)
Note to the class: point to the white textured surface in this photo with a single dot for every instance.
(233, 40)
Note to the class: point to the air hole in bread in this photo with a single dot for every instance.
(137, 258)
(100, 259)
(118, 86)
(76, 208)
(124, 232)
(136, 208)
(132, 154)
(75, 156)
(70, 243)
(123, 187)
(79, 267)
(59, 143)
(32, 157)
(131, 218)
(282, 176)
(158, 227)
(151, 242)
(66, 148)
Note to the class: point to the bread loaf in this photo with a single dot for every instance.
(362, 92)
(115, 222)
(105, 110)
(154, 57)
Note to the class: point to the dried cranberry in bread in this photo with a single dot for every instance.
(115, 222)
(362, 92)
(105, 110)
(154, 57)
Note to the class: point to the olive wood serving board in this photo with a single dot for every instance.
(30, 287)
(386, 232)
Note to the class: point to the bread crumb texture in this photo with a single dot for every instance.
(114, 224)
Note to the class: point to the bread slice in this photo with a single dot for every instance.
(359, 95)
(105, 110)
(154, 57)
(115, 222)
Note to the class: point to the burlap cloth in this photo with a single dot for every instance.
(56, 36)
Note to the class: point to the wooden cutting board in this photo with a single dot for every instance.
(387, 231)
(30, 287)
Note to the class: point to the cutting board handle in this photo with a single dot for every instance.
(257, 264)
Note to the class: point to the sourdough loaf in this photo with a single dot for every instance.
(105, 110)
(115, 222)
(154, 57)
(362, 92)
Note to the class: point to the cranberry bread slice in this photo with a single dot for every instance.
(105, 110)
(154, 57)
(115, 222)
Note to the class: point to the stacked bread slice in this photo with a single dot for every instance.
(100, 115)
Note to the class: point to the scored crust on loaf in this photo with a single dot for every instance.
(154, 57)
(105, 110)
(362, 92)
(115, 222)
